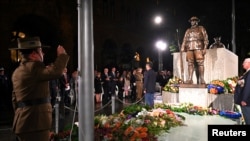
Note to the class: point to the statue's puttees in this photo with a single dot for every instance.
(195, 43)
(217, 43)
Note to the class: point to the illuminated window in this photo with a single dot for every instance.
(15, 54)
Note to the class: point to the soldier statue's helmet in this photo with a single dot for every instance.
(194, 18)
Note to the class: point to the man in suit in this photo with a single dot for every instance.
(149, 84)
(106, 85)
(65, 87)
(113, 80)
(242, 95)
(31, 96)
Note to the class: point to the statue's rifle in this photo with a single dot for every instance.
(181, 60)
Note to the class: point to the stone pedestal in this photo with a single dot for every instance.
(196, 96)
(168, 97)
(221, 101)
(200, 97)
(220, 63)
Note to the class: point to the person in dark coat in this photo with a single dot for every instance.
(113, 80)
(106, 86)
(242, 95)
(31, 96)
(98, 87)
(64, 85)
(133, 85)
(149, 84)
(5, 89)
(53, 86)
(120, 84)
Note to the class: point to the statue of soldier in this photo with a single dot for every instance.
(195, 43)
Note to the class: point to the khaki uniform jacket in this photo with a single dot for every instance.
(195, 38)
(31, 81)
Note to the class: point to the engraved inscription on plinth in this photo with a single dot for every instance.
(196, 96)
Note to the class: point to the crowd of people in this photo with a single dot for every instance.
(64, 88)
(128, 83)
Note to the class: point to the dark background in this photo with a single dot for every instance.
(121, 28)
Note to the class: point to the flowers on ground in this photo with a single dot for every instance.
(142, 123)
(188, 108)
(134, 123)
(61, 135)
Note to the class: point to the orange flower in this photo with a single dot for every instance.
(135, 135)
(118, 124)
(106, 125)
(128, 130)
(144, 129)
(143, 135)
(138, 129)
(213, 91)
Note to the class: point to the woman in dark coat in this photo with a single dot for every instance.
(98, 87)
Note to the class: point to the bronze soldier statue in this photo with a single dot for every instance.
(195, 43)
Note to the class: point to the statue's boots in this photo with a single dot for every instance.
(202, 81)
(189, 81)
(190, 73)
(201, 72)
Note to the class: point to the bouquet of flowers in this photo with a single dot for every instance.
(134, 123)
(222, 86)
(173, 85)
(188, 108)
(59, 136)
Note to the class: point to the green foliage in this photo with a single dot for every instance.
(131, 109)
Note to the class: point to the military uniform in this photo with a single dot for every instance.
(31, 97)
(195, 42)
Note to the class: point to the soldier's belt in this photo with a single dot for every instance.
(194, 40)
(34, 102)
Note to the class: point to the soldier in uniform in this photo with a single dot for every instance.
(195, 43)
(139, 83)
(31, 96)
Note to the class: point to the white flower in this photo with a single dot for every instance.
(241, 82)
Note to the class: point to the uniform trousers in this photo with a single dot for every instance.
(43, 135)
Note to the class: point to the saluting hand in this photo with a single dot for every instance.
(60, 50)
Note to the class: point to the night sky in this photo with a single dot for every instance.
(215, 16)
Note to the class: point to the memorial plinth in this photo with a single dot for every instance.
(196, 96)
(220, 63)
(168, 97)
